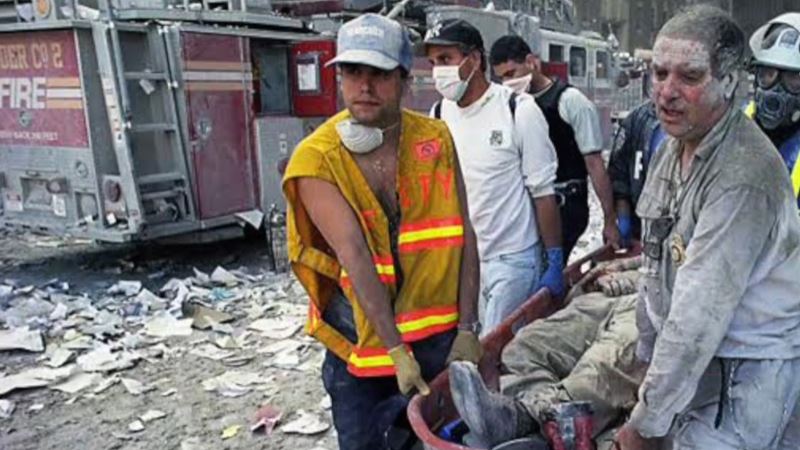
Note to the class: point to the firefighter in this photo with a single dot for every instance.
(379, 235)
(509, 167)
(574, 128)
(719, 312)
(776, 107)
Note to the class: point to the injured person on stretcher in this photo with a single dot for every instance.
(583, 353)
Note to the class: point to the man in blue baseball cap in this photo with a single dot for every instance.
(379, 236)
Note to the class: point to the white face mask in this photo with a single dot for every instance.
(360, 138)
(449, 83)
(519, 85)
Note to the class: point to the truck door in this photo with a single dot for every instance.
(217, 81)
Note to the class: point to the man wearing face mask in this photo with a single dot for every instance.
(379, 236)
(507, 158)
(776, 107)
(575, 131)
(718, 312)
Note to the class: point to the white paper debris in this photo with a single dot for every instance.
(233, 383)
(211, 352)
(32, 378)
(277, 329)
(222, 276)
(136, 426)
(21, 338)
(59, 357)
(152, 415)
(127, 288)
(36, 407)
(77, 382)
(306, 423)
(164, 325)
(7, 408)
(103, 360)
(59, 313)
(135, 387)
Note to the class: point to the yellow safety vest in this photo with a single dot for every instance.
(430, 241)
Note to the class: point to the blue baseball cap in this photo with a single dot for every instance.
(373, 40)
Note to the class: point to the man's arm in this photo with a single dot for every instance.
(338, 224)
(469, 276)
(539, 166)
(730, 234)
(602, 187)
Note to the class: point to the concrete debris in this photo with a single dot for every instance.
(59, 312)
(7, 408)
(126, 288)
(233, 383)
(105, 383)
(169, 392)
(164, 325)
(151, 415)
(276, 328)
(305, 423)
(21, 338)
(35, 407)
(136, 426)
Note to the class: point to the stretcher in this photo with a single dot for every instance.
(427, 415)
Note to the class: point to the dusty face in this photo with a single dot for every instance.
(689, 99)
(510, 70)
(372, 95)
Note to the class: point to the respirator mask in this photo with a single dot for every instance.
(360, 138)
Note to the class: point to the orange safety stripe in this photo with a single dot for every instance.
(383, 265)
(430, 234)
(414, 326)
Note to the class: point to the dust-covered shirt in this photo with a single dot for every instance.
(722, 259)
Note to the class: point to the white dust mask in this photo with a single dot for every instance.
(360, 138)
(448, 82)
(519, 85)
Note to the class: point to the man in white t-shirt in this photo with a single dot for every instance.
(509, 167)
(574, 130)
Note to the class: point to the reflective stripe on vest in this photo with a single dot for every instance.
(383, 265)
(429, 234)
(413, 326)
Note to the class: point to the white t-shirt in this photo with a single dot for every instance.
(578, 111)
(500, 160)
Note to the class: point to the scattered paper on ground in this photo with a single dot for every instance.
(164, 325)
(233, 383)
(277, 329)
(231, 431)
(152, 415)
(266, 417)
(21, 338)
(306, 423)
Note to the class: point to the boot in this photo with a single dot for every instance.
(492, 418)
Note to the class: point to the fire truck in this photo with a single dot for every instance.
(150, 119)
(134, 120)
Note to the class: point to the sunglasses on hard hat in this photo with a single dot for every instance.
(768, 77)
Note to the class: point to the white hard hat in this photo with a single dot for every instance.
(777, 44)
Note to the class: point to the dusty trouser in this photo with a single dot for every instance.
(585, 352)
(758, 411)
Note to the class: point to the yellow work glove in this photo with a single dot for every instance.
(409, 375)
(466, 347)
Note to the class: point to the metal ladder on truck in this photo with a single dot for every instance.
(149, 144)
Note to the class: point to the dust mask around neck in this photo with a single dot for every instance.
(361, 139)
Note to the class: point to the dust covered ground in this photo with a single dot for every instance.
(111, 356)
(104, 357)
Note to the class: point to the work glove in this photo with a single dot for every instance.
(466, 347)
(625, 226)
(553, 278)
(409, 375)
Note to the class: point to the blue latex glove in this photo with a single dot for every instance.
(553, 278)
(625, 226)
